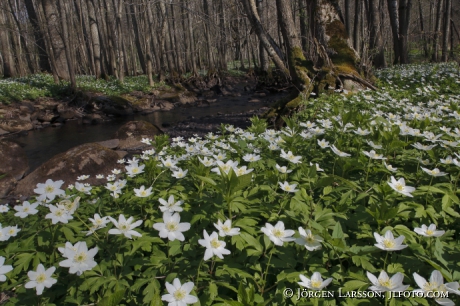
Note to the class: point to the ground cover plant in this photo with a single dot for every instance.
(42, 85)
(358, 194)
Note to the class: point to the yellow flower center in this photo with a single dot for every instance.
(215, 243)
(11, 231)
(385, 283)
(179, 295)
(41, 278)
(26, 209)
(225, 228)
(309, 238)
(81, 257)
(389, 244)
(124, 227)
(399, 187)
(429, 232)
(278, 233)
(171, 226)
(49, 189)
(316, 283)
(59, 212)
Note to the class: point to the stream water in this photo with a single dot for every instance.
(41, 145)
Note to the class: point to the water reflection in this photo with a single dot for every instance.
(41, 145)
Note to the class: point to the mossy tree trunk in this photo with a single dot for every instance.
(337, 60)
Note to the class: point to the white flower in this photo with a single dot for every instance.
(125, 227)
(338, 152)
(388, 242)
(447, 161)
(290, 157)
(400, 186)
(26, 209)
(171, 228)
(49, 190)
(373, 155)
(225, 229)
(242, 170)
(98, 223)
(4, 208)
(277, 234)
(315, 283)
(323, 143)
(308, 240)
(83, 188)
(79, 258)
(207, 162)
(318, 168)
(134, 169)
(428, 231)
(58, 213)
(251, 157)
(146, 141)
(179, 173)
(9, 231)
(4, 269)
(436, 284)
(170, 206)
(178, 295)
(169, 163)
(288, 188)
(373, 145)
(283, 169)
(385, 283)
(419, 146)
(213, 246)
(224, 168)
(82, 177)
(390, 167)
(434, 172)
(142, 192)
(116, 171)
(361, 132)
(40, 279)
(100, 176)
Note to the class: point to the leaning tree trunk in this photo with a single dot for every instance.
(337, 60)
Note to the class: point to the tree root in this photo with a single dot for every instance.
(358, 80)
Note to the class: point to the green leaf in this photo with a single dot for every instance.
(207, 180)
(337, 232)
(114, 299)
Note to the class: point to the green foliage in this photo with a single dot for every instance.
(334, 205)
(42, 85)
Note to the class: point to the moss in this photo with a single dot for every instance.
(345, 59)
(119, 100)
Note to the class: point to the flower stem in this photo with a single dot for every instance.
(266, 270)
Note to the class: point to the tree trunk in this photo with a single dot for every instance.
(404, 20)
(57, 45)
(348, 16)
(376, 40)
(263, 56)
(9, 68)
(357, 25)
(445, 34)
(394, 21)
(66, 42)
(137, 37)
(208, 34)
(38, 37)
(251, 10)
(422, 29)
(192, 42)
(437, 32)
(95, 40)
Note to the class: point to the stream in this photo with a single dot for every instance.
(41, 145)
